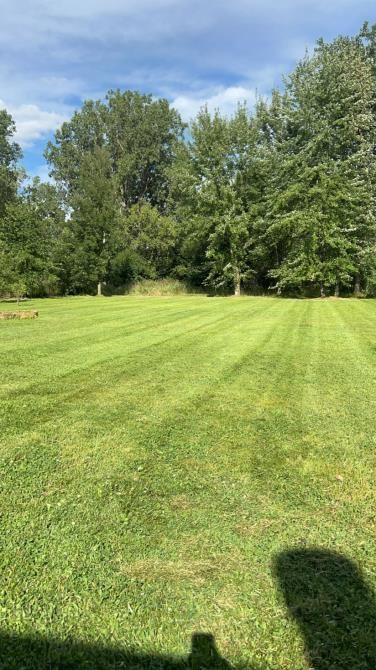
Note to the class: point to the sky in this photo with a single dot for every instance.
(54, 54)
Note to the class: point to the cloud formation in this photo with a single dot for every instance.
(225, 100)
(32, 122)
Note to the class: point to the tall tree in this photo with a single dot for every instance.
(49, 203)
(110, 158)
(217, 189)
(320, 199)
(95, 210)
(82, 135)
(10, 153)
(143, 135)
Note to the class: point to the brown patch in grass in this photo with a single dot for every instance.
(227, 598)
(184, 567)
(180, 502)
(248, 528)
(155, 568)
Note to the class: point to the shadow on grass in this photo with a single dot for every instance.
(324, 592)
(39, 653)
(335, 609)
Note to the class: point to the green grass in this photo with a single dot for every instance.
(168, 466)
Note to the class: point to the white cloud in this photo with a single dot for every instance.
(225, 100)
(32, 122)
(190, 95)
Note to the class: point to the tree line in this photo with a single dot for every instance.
(280, 199)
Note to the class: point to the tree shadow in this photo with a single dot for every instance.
(335, 609)
(38, 653)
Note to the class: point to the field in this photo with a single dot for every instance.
(188, 466)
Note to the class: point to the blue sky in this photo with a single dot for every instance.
(56, 53)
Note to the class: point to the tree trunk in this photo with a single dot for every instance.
(237, 282)
(336, 291)
(322, 292)
(357, 285)
(99, 288)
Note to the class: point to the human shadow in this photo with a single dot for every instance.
(335, 609)
(39, 653)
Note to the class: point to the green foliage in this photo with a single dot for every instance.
(145, 246)
(214, 183)
(93, 222)
(10, 153)
(140, 135)
(143, 134)
(76, 138)
(152, 237)
(112, 161)
(321, 200)
(26, 264)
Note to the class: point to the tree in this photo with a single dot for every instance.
(320, 209)
(82, 135)
(146, 246)
(10, 153)
(111, 161)
(215, 184)
(153, 237)
(93, 220)
(25, 262)
(368, 39)
(282, 199)
(48, 201)
(143, 135)
(140, 134)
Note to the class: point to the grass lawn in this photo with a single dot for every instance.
(171, 466)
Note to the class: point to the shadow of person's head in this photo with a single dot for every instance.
(205, 655)
(335, 609)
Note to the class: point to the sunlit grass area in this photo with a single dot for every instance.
(158, 458)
